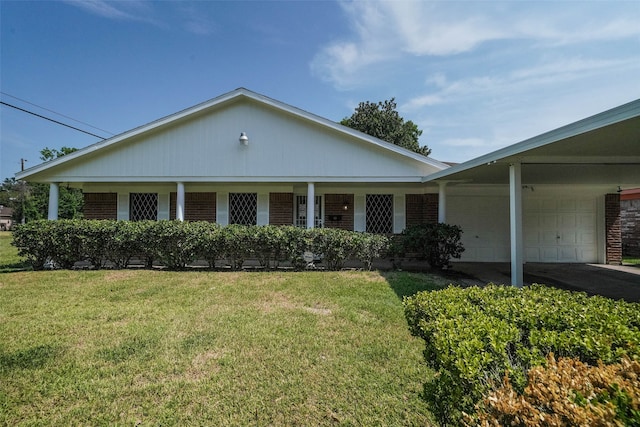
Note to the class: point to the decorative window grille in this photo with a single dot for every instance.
(143, 206)
(301, 212)
(243, 208)
(379, 213)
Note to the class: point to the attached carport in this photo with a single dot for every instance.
(601, 152)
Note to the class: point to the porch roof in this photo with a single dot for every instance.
(602, 149)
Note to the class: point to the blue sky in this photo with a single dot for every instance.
(474, 75)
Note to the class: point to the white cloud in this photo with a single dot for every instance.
(195, 21)
(424, 28)
(187, 16)
(473, 127)
(423, 101)
(341, 62)
(389, 31)
(510, 83)
(100, 8)
(134, 10)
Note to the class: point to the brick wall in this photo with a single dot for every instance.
(334, 214)
(101, 205)
(197, 206)
(630, 227)
(281, 208)
(421, 209)
(613, 229)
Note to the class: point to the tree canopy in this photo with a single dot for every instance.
(30, 200)
(383, 121)
(47, 153)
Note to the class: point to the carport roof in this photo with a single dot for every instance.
(602, 149)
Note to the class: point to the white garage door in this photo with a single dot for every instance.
(560, 229)
(485, 225)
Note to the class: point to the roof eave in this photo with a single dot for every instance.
(606, 118)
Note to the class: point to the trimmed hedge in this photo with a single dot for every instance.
(177, 244)
(435, 243)
(475, 336)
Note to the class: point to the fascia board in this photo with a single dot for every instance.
(251, 179)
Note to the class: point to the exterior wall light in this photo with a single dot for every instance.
(244, 139)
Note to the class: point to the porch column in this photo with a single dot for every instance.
(442, 201)
(515, 219)
(311, 205)
(54, 192)
(180, 202)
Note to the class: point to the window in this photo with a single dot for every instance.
(243, 208)
(379, 213)
(301, 212)
(143, 206)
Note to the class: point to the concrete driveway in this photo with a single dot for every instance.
(617, 282)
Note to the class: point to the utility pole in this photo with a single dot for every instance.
(23, 189)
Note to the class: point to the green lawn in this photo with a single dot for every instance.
(9, 259)
(142, 347)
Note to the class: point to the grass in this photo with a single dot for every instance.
(9, 259)
(631, 261)
(143, 347)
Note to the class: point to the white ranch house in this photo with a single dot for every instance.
(246, 158)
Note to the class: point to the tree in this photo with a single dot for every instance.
(382, 121)
(47, 154)
(30, 200)
(13, 194)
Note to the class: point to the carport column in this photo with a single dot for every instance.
(311, 205)
(54, 192)
(442, 201)
(180, 202)
(515, 205)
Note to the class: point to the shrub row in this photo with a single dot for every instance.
(176, 244)
(475, 336)
(435, 243)
(566, 393)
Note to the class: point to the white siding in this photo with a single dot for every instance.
(206, 148)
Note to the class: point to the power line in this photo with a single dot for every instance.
(55, 112)
(51, 120)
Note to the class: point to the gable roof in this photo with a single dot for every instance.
(219, 102)
(601, 149)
